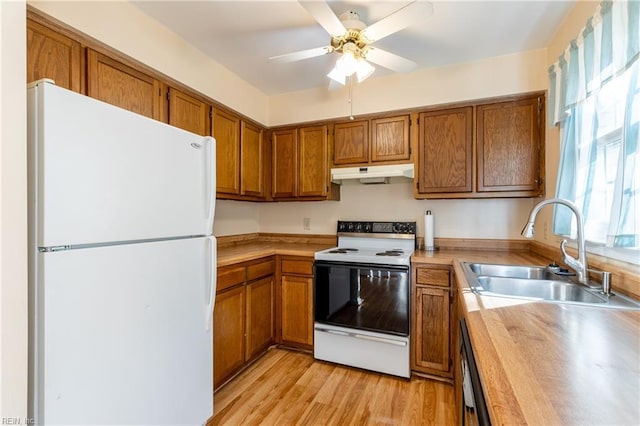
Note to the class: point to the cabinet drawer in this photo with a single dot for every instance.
(297, 266)
(261, 269)
(229, 277)
(428, 276)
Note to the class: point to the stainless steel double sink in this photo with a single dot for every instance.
(538, 283)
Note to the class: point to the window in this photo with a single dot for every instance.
(595, 97)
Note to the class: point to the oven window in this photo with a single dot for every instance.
(366, 297)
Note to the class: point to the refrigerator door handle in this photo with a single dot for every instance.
(210, 176)
(211, 264)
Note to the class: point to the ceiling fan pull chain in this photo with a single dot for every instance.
(350, 98)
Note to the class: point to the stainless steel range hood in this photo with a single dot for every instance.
(372, 174)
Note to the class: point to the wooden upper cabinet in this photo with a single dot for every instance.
(226, 131)
(508, 138)
(351, 142)
(284, 163)
(252, 160)
(390, 139)
(313, 167)
(189, 113)
(53, 55)
(502, 157)
(446, 151)
(375, 141)
(117, 84)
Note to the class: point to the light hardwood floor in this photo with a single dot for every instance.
(288, 387)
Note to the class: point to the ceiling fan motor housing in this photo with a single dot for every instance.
(354, 26)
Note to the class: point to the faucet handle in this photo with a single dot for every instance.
(606, 280)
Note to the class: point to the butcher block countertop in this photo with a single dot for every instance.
(547, 363)
(253, 246)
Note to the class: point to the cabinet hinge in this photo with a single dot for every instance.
(168, 95)
(210, 112)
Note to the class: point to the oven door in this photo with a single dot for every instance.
(362, 296)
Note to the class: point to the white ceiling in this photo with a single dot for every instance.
(242, 35)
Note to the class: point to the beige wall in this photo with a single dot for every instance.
(394, 201)
(501, 75)
(13, 213)
(125, 28)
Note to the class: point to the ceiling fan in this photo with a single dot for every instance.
(352, 38)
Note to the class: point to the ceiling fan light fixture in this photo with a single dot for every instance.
(337, 76)
(364, 70)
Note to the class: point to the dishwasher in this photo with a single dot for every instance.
(474, 407)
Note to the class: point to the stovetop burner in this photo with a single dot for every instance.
(343, 250)
(395, 252)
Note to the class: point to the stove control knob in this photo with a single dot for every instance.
(367, 227)
(341, 226)
(397, 228)
(350, 226)
(358, 227)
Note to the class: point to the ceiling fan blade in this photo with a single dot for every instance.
(389, 60)
(302, 54)
(413, 13)
(323, 14)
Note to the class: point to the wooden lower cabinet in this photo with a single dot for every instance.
(296, 302)
(243, 316)
(432, 317)
(228, 334)
(259, 316)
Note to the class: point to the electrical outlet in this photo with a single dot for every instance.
(306, 223)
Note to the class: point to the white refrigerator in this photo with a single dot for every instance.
(122, 265)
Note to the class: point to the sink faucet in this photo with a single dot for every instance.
(580, 264)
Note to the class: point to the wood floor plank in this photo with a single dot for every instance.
(287, 388)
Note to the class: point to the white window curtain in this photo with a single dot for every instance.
(594, 95)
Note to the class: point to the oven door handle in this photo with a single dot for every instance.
(362, 336)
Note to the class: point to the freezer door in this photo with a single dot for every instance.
(123, 334)
(104, 174)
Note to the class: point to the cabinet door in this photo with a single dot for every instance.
(284, 165)
(432, 338)
(226, 131)
(53, 55)
(508, 137)
(189, 113)
(259, 316)
(228, 333)
(351, 143)
(252, 160)
(446, 151)
(390, 139)
(313, 168)
(117, 84)
(297, 309)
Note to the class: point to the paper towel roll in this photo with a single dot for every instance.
(428, 230)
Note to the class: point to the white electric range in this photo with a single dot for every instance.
(362, 297)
